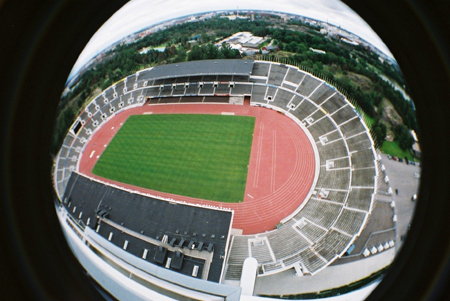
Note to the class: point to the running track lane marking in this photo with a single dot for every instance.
(258, 155)
(274, 163)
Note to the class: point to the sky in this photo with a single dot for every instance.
(139, 14)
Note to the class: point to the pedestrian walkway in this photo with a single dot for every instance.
(287, 283)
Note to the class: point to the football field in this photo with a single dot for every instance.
(201, 156)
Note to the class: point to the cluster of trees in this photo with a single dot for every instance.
(210, 51)
(403, 137)
(346, 58)
(379, 129)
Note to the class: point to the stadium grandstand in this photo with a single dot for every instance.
(183, 249)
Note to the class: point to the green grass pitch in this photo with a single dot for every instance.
(201, 156)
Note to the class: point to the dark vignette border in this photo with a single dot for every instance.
(40, 43)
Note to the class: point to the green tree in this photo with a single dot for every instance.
(403, 137)
(379, 130)
(181, 54)
(107, 83)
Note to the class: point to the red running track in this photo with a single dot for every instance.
(281, 169)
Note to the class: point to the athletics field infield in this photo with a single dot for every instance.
(203, 156)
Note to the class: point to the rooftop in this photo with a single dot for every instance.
(208, 67)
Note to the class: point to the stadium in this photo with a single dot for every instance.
(308, 188)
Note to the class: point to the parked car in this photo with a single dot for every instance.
(400, 160)
(389, 157)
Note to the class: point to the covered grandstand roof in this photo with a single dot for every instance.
(144, 222)
(208, 67)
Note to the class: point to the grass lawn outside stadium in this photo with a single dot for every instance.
(200, 156)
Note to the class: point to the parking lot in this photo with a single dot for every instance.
(404, 183)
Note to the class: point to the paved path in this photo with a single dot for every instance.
(401, 177)
(331, 277)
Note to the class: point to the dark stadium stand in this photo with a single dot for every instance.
(100, 207)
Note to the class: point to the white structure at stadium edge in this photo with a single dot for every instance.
(330, 219)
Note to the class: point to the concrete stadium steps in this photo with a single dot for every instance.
(321, 127)
(152, 92)
(295, 259)
(352, 127)
(234, 272)
(362, 159)
(192, 89)
(322, 91)
(271, 93)
(332, 245)
(317, 116)
(119, 87)
(222, 89)
(241, 89)
(64, 152)
(320, 213)
(311, 231)
(285, 241)
(350, 221)
(240, 78)
(338, 163)
(178, 90)
(239, 250)
(322, 94)
(295, 102)
(262, 80)
(294, 76)
(84, 116)
(312, 262)
(282, 99)
(129, 82)
(363, 177)
(109, 94)
(343, 114)
(261, 69)
(277, 74)
(336, 196)
(191, 99)
(334, 179)
(261, 251)
(305, 109)
(269, 267)
(139, 83)
(224, 78)
(209, 78)
(359, 142)
(360, 198)
(333, 103)
(329, 137)
(181, 80)
(259, 93)
(308, 85)
(167, 91)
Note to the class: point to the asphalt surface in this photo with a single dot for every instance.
(402, 179)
